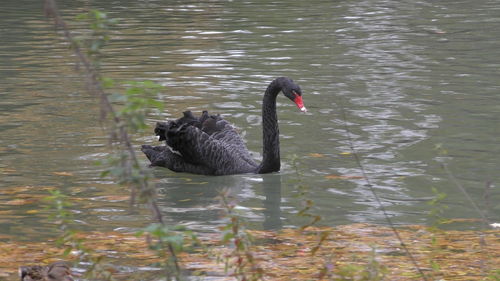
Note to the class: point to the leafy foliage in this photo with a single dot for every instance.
(240, 259)
(139, 99)
(372, 270)
(286, 255)
(136, 102)
(438, 208)
(302, 192)
(99, 28)
(73, 245)
(168, 242)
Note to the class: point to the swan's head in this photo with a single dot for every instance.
(293, 92)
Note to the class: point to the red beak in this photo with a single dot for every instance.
(300, 104)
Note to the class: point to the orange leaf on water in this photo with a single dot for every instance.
(65, 174)
(339, 177)
(16, 189)
(7, 171)
(113, 198)
(317, 155)
(18, 202)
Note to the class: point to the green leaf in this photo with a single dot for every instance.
(435, 266)
(98, 14)
(156, 103)
(107, 82)
(113, 21)
(228, 236)
(117, 97)
(81, 17)
(67, 251)
(176, 240)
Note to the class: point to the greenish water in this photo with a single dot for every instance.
(409, 76)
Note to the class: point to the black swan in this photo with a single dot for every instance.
(209, 145)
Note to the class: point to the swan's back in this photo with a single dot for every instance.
(208, 142)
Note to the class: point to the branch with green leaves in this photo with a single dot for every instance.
(126, 112)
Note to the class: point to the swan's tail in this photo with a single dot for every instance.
(155, 154)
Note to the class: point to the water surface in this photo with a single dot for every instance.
(405, 77)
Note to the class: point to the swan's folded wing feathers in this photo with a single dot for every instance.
(208, 141)
(161, 130)
(186, 139)
(209, 126)
(155, 154)
(189, 119)
(223, 157)
(204, 116)
(228, 134)
(163, 156)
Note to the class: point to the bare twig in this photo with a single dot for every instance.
(484, 219)
(454, 180)
(377, 198)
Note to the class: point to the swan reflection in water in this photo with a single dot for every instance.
(194, 201)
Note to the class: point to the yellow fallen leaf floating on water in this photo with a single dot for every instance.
(288, 254)
(317, 155)
(7, 171)
(18, 202)
(114, 198)
(26, 188)
(345, 153)
(65, 174)
(16, 189)
(339, 177)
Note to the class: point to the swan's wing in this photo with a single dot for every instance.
(163, 156)
(226, 133)
(208, 141)
(223, 151)
(213, 125)
(222, 130)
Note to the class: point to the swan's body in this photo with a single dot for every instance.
(209, 145)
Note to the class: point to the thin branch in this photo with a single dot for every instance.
(377, 198)
(95, 87)
(465, 193)
(485, 221)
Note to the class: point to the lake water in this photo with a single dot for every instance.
(405, 76)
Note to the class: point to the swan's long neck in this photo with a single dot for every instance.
(271, 151)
